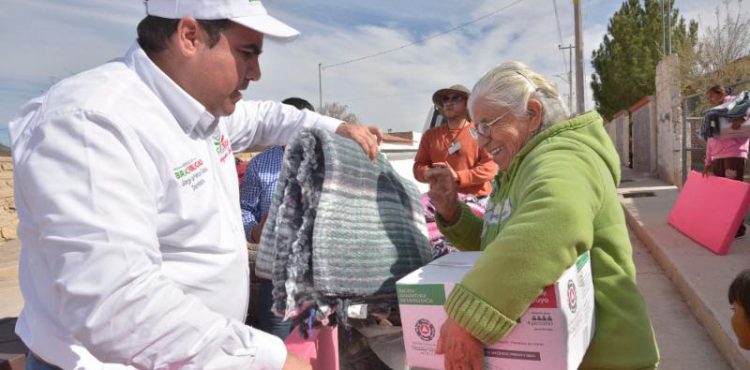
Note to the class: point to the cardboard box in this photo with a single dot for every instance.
(553, 333)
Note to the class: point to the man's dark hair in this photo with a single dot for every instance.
(739, 291)
(299, 103)
(154, 32)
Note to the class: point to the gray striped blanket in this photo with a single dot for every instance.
(340, 226)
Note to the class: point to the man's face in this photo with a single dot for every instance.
(454, 106)
(227, 68)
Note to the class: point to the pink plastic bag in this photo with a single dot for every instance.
(321, 348)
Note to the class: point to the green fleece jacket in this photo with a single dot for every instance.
(557, 199)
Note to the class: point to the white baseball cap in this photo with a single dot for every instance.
(248, 13)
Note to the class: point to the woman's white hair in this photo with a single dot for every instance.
(511, 85)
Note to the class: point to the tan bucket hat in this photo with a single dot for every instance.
(457, 88)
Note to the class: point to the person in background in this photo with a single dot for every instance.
(452, 145)
(726, 157)
(133, 254)
(241, 167)
(555, 198)
(739, 298)
(256, 192)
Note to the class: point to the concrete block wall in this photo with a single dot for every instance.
(669, 121)
(610, 127)
(643, 118)
(621, 122)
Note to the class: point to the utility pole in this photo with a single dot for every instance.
(320, 86)
(663, 32)
(669, 25)
(570, 74)
(581, 103)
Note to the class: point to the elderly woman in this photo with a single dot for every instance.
(554, 199)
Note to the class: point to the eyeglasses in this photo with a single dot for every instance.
(451, 99)
(484, 128)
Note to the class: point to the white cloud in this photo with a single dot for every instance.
(46, 40)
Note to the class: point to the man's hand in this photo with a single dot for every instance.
(461, 349)
(368, 137)
(707, 171)
(258, 229)
(295, 362)
(444, 191)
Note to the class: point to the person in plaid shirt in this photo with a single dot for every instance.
(256, 190)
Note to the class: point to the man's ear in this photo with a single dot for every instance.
(188, 35)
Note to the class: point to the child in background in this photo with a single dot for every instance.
(739, 298)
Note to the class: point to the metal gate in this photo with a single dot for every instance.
(693, 145)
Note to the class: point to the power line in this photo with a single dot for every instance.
(389, 96)
(423, 39)
(559, 33)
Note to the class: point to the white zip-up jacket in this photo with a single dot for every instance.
(133, 249)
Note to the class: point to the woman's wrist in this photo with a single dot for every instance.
(451, 215)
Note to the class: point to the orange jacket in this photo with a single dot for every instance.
(473, 164)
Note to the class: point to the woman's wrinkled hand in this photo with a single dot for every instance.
(444, 191)
(461, 349)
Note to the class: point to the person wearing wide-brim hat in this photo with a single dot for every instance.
(451, 145)
(455, 89)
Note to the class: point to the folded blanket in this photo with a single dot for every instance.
(340, 226)
(738, 107)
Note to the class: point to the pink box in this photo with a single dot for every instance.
(321, 348)
(709, 210)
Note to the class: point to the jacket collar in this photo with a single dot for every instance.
(191, 115)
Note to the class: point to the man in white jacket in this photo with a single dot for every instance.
(133, 250)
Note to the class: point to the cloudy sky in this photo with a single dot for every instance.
(47, 40)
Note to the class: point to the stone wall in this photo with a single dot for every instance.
(643, 117)
(669, 121)
(8, 216)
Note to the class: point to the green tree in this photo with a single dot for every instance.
(721, 55)
(625, 62)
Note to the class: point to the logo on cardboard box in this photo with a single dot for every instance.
(572, 296)
(425, 330)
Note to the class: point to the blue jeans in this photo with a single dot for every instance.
(267, 321)
(33, 363)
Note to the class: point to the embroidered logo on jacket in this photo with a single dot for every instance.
(191, 173)
(222, 146)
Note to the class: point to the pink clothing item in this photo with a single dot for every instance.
(726, 148)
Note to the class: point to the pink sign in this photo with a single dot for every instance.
(709, 210)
